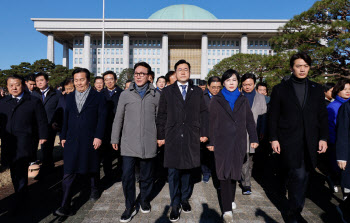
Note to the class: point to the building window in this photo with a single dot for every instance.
(121, 42)
(232, 52)
(80, 51)
(219, 52)
(158, 42)
(98, 70)
(237, 43)
(116, 60)
(117, 70)
(153, 61)
(149, 42)
(135, 51)
(112, 51)
(158, 51)
(108, 61)
(121, 51)
(209, 43)
(140, 42)
(237, 51)
(209, 52)
(209, 61)
(265, 52)
(154, 43)
(149, 61)
(251, 43)
(265, 43)
(130, 52)
(158, 70)
(81, 42)
(223, 43)
(116, 51)
(121, 60)
(76, 42)
(260, 52)
(108, 42)
(76, 51)
(112, 69)
(108, 51)
(158, 61)
(227, 52)
(256, 51)
(131, 42)
(98, 60)
(144, 52)
(145, 43)
(76, 60)
(214, 43)
(214, 52)
(117, 42)
(256, 43)
(218, 61)
(94, 60)
(80, 60)
(112, 42)
(149, 51)
(112, 60)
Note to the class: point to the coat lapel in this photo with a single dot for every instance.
(225, 105)
(88, 99)
(49, 94)
(292, 94)
(188, 93)
(177, 92)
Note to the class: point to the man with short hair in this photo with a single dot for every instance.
(298, 129)
(202, 84)
(98, 84)
(261, 88)
(30, 83)
(327, 89)
(127, 84)
(112, 93)
(207, 157)
(49, 97)
(182, 124)
(21, 117)
(81, 137)
(134, 132)
(170, 78)
(257, 103)
(151, 77)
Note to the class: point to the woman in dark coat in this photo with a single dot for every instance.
(230, 120)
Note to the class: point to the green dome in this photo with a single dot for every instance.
(182, 12)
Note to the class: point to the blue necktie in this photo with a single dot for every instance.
(183, 91)
(43, 95)
(111, 93)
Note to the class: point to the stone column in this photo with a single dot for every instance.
(65, 60)
(164, 55)
(126, 50)
(51, 47)
(86, 53)
(244, 43)
(204, 57)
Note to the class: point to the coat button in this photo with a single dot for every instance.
(182, 135)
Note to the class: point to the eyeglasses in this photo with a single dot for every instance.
(139, 74)
(185, 69)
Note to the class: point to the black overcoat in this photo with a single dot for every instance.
(79, 131)
(50, 102)
(343, 141)
(228, 134)
(21, 124)
(298, 128)
(182, 123)
(111, 104)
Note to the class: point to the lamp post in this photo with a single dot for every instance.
(103, 38)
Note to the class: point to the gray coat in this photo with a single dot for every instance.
(259, 110)
(134, 126)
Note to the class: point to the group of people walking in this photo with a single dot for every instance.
(217, 129)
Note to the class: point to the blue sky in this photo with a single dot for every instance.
(20, 42)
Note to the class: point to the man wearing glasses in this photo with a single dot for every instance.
(182, 124)
(134, 132)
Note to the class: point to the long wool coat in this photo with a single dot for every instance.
(343, 141)
(298, 128)
(21, 124)
(228, 134)
(79, 131)
(181, 123)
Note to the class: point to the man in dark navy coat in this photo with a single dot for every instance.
(49, 98)
(82, 133)
(298, 125)
(182, 124)
(21, 117)
(112, 94)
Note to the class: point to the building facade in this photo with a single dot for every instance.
(172, 33)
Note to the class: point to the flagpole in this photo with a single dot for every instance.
(103, 37)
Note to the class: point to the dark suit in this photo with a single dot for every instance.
(181, 123)
(79, 130)
(50, 103)
(19, 123)
(107, 152)
(298, 128)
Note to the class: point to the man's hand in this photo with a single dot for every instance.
(276, 146)
(203, 139)
(97, 143)
(63, 141)
(161, 142)
(342, 164)
(322, 146)
(210, 148)
(115, 146)
(42, 141)
(254, 145)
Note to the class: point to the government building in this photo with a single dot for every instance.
(168, 35)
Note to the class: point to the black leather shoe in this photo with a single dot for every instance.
(94, 196)
(128, 215)
(62, 211)
(175, 213)
(186, 207)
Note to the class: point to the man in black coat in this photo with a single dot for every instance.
(207, 157)
(49, 98)
(21, 117)
(112, 94)
(298, 129)
(182, 124)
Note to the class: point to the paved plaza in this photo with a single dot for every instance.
(266, 204)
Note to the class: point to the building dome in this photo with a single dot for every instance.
(182, 12)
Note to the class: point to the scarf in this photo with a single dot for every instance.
(80, 98)
(341, 100)
(231, 97)
(250, 97)
(142, 90)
